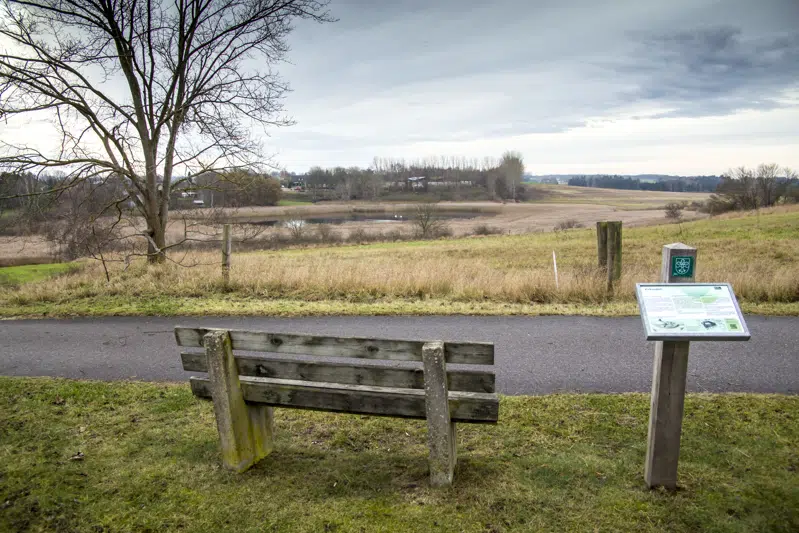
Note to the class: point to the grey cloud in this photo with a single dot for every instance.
(713, 70)
(394, 73)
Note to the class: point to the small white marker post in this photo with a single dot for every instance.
(226, 250)
(668, 382)
(555, 266)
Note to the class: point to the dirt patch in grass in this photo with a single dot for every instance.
(90, 456)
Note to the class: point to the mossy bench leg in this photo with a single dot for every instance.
(440, 428)
(245, 430)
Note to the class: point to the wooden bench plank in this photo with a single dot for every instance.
(471, 407)
(349, 374)
(472, 353)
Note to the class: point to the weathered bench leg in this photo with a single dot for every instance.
(440, 428)
(245, 430)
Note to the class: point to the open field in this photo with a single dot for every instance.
(90, 456)
(556, 204)
(507, 218)
(758, 254)
(615, 197)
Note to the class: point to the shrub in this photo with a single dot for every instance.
(674, 211)
(485, 229)
(571, 223)
(396, 234)
(324, 233)
(441, 230)
(717, 204)
(358, 235)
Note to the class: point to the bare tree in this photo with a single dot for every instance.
(744, 188)
(766, 183)
(427, 221)
(196, 76)
(296, 227)
(512, 169)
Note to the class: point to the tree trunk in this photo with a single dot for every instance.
(156, 242)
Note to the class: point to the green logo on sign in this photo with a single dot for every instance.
(682, 266)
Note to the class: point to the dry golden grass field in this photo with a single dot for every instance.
(557, 204)
(757, 253)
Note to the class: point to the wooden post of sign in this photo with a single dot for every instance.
(226, 249)
(668, 386)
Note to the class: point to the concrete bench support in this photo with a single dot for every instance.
(440, 427)
(245, 430)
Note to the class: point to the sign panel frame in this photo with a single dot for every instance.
(716, 326)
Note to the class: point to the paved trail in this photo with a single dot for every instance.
(534, 355)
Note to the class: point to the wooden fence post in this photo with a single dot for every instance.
(226, 249)
(245, 431)
(614, 236)
(668, 382)
(602, 244)
(440, 427)
(608, 249)
(613, 239)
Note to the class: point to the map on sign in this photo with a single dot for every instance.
(690, 311)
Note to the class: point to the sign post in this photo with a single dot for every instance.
(675, 312)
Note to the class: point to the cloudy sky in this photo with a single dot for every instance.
(577, 86)
(614, 86)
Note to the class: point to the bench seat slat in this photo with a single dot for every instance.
(472, 407)
(346, 373)
(471, 353)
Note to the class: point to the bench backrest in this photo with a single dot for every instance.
(469, 389)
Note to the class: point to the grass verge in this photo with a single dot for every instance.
(92, 456)
(231, 305)
(17, 275)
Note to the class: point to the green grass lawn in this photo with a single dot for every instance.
(288, 202)
(18, 275)
(88, 456)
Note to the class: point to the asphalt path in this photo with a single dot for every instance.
(534, 355)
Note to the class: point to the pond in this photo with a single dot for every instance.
(385, 218)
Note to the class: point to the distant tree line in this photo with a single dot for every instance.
(36, 197)
(745, 188)
(683, 184)
(741, 188)
(498, 178)
(239, 188)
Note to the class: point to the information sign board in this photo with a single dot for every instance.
(690, 312)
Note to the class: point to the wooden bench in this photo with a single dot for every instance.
(245, 388)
